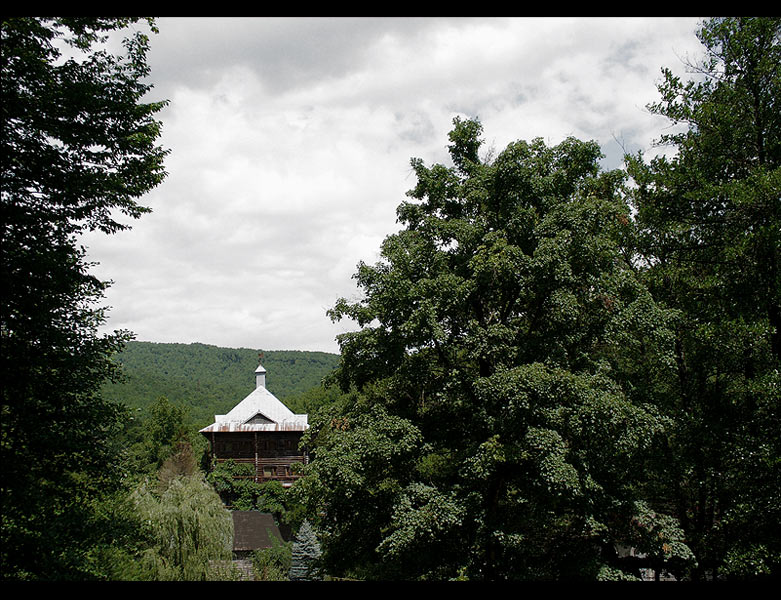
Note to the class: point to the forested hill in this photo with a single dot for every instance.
(208, 380)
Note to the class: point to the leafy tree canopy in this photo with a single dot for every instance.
(187, 532)
(709, 219)
(78, 150)
(505, 375)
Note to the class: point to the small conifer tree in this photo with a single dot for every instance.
(306, 552)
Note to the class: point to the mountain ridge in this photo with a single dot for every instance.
(206, 379)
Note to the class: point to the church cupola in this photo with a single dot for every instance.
(260, 377)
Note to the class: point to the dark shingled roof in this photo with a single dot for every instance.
(252, 530)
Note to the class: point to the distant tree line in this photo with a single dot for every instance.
(205, 380)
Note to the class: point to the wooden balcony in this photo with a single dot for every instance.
(278, 468)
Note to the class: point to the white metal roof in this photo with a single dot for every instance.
(259, 402)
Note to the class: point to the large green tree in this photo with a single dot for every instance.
(187, 533)
(78, 151)
(505, 378)
(710, 245)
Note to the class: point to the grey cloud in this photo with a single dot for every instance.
(283, 52)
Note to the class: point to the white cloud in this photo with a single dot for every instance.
(291, 141)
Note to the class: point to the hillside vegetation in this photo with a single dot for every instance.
(206, 380)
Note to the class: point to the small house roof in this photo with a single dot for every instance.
(253, 530)
(259, 411)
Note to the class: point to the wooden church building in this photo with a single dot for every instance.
(262, 431)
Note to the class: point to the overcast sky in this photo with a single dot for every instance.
(291, 139)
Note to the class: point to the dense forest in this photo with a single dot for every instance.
(559, 372)
(206, 380)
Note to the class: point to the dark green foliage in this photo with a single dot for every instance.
(152, 436)
(78, 150)
(272, 564)
(237, 488)
(710, 237)
(314, 399)
(207, 380)
(235, 484)
(362, 462)
(506, 372)
(165, 428)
